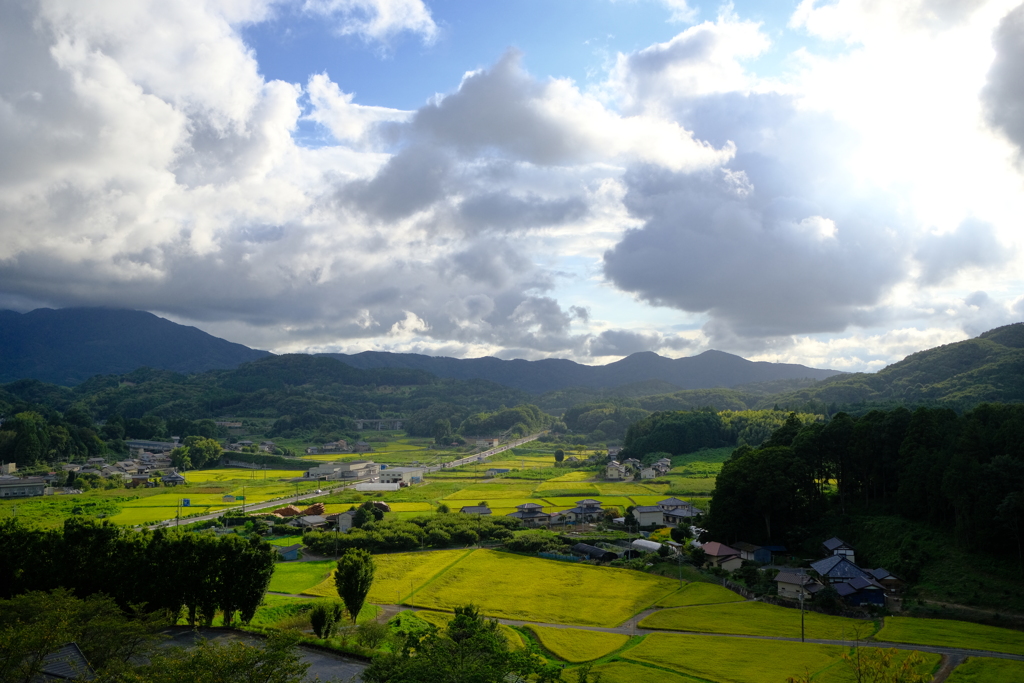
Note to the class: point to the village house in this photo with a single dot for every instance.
(891, 582)
(488, 443)
(649, 473)
(861, 591)
(795, 584)
(402, 475)
(588, 510)
(615, 470)
(613, 451)
(837, 568)
(362, 447)
(342, 521)
(723, 556)
(532, 515)
(675, 511)
(837, 546)
(172, 479)
(648, 515)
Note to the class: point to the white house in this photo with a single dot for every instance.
(648, 515)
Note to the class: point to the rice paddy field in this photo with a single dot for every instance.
(758, 619)
(575, 645)
(539, 590)
(987, 670)
(731, 660)
(699, 594)
(951, 633)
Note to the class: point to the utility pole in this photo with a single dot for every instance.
(801, 614)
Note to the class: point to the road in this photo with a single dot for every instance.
(476, 457)
(479, 457)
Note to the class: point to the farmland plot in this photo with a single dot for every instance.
(951, 633)
(533, 589)
(575, 645)
(757, 619)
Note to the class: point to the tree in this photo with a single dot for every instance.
(353, 579)
(875, 665)
(559, 455)
(277, 660)
(323, 619)
(443, 509)
(470, 649)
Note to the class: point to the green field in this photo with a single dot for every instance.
(951, 633)
(397, 575)
(699, 594)
(297, 577)
(757, 619)
(547, 591)
(288, 613)
(987, 670)
(575, 645)
(630, 672)
(732, 660)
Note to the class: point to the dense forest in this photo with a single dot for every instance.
(678, 432)
(168, 570)
(963, 473)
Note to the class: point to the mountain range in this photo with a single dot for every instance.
(68, 346)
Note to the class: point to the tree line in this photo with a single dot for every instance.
(961, 472)
(163, 570)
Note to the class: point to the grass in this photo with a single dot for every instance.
(574, 645)
(844, 672)
(757, 619)
(441, 619)
(233, 474)
(629, 672)
(731, 660)
(986, 670)
(951, 633)
(285, 612)
(398, 575)
(299, 577)
(699, 594)
(284, 541)
(533, 589)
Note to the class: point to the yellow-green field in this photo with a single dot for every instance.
(575, 645)
(547, 591)
(951, 633)
(629, 672)
(233, 474)
(987, 670)
(397, 575)
(699, 594)
(441, 619)
(757, 619)
(732, 659)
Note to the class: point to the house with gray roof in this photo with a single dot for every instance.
(66, 664)
(531, 514)
(648, 515)
(795, 584)
(837, 546)
(481, 510)
(861, 591)
(837, 568)
(588, 510)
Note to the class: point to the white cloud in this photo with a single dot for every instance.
(377, 19)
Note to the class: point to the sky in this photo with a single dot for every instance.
(837, 183)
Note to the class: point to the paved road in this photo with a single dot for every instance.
(280, 502)
(328, 488)
(630, 628)
(323, 665)
(479, 457)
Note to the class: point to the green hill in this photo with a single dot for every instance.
(988, 368)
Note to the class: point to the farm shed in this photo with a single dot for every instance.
(594, 553)
(793, 584)
(645, 546)
(378, 487)
(753, 553)
(481, 510)
(290, 552)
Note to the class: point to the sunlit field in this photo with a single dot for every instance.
(575, 645)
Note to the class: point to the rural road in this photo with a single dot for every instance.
(476, 457)
(323, 665)
(955, 654)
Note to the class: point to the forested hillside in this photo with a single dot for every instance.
(962, 475)
(307, 396)
(988, 368)
(70, 345)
